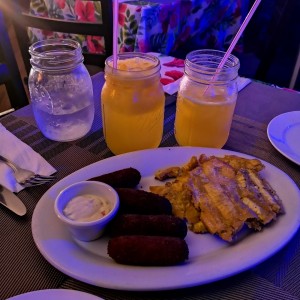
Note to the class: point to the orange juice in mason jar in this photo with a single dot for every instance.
(132, 102)
(206, 100)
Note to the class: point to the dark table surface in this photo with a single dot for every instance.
(24, 269)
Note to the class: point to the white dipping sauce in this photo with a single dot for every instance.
(86, 208)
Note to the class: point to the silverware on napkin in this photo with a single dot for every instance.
(25, 177)
(22, 154)
(11, 201)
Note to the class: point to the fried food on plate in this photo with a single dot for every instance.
(145, 250)
(142, 202)
(124, 178)
(220, 195)
(157, 225)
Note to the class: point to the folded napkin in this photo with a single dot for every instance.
(242, 82)
(172, 69)
(24, 156)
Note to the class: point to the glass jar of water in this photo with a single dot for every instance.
(60, 89)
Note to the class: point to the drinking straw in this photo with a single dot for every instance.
(239, 33)
(236, 38)
(115, 32)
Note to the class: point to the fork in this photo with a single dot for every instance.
(27, 178)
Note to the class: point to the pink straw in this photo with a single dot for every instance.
(236, 38)
(115, 32)
(239, 33)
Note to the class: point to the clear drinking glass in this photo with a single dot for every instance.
(132, 102)
(60, 89)
(206, 99)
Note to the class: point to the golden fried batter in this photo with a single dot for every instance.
(243, 163)
(220, 195)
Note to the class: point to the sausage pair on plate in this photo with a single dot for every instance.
(148, 240)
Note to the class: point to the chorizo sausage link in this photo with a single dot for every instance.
(148, 250)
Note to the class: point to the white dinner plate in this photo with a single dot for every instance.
(284, 134)
(55, 294)
(210, 258)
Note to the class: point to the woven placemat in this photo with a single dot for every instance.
(26, 269)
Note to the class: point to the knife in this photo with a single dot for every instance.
(11, 201)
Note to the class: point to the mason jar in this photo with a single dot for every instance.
(206, 99)
(132, 102)
(60, 89)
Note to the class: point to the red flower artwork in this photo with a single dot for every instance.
(47, 33)
(121, 16)
(93, 44)
(176, 62)
(61, 3)
(85, 11)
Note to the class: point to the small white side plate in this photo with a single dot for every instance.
(284, 134)
(54, 294)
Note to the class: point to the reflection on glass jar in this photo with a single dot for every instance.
(206, 99)
(132, 103)
(60, 89)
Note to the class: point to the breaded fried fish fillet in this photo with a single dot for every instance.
(220, 195)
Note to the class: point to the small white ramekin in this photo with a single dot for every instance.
(86, 231)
